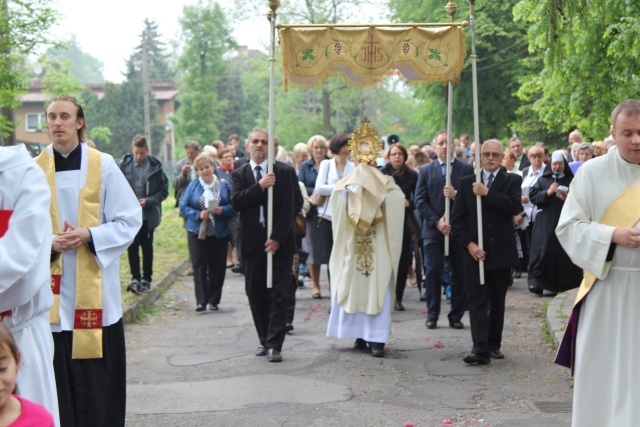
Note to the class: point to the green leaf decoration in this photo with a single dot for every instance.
(435, 54)
(307, 54)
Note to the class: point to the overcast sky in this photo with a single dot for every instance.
(110, 30)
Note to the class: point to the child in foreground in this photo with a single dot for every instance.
(16, 411)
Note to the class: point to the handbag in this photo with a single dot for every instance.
(316, 199)
(300, 225)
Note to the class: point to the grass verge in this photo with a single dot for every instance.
(169, 250)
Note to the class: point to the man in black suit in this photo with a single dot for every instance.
(500, 195)
(430, 200)
(516, 147)
(249, 198)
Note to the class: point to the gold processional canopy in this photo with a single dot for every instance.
(366, 55)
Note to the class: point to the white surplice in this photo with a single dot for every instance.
(120, 220)
(361, 304)
(607, 373)
(25, 250)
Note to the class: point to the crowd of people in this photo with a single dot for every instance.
(375, 219)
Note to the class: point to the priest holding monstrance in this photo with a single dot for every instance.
(368, 217)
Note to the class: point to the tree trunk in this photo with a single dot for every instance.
(326, 113)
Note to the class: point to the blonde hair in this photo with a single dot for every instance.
(202, 158)
(210, 150)
(300, 148)
(319, 139)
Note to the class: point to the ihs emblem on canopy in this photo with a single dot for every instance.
(365, 143)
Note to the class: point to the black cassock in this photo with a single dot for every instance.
(549, 264)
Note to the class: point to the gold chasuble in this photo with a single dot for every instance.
(368, 219)
(87, 327)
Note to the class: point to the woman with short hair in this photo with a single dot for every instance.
(208, 243)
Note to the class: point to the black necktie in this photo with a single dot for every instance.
(444, 169)
(490, 181)
(258, 174)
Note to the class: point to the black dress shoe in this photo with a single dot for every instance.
(457, 325)
(496, 354)
(423, 297)
(274, 355)
(536, 291)
(377, 349)
(317, 296)
(201, 307)
(476, 359)
(399, 306)
(238, 268)
(213, 307)
(261, 351)
(516, 274)
(360, 344)
(431, 324)
(288, 327)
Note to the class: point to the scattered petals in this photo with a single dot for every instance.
(438, 345)
(408, 425)
(364, 392)
(306, 319)
(427, 339)
(362, 374)
(424, 312)
(319, 314)
(447, 422)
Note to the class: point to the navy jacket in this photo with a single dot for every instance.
(429, 197)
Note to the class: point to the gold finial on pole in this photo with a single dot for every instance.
(451, 9)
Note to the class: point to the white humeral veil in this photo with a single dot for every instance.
(368, 219)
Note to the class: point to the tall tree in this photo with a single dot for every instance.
(158, 63)
(588, 51)
(206, 41)
(24, 25)
(128, 120)
(57, 78)
(85, 67)
(500, 46)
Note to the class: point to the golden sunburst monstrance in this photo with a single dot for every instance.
(365, 143)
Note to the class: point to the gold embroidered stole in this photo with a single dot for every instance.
(622, 213)
(87, 325)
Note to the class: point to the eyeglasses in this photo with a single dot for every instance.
(259, 141)
(486, 155)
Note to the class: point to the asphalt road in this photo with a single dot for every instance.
(189, 369)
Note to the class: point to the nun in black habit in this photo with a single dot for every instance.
(549, 264)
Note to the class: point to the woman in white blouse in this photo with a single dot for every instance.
(530, 175)
(330, 172)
